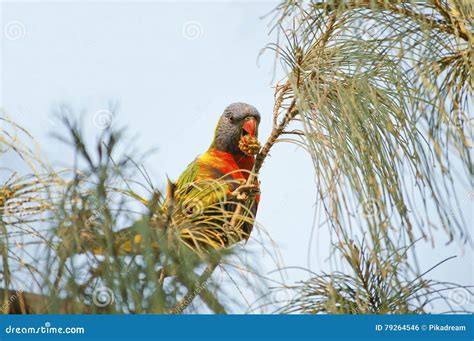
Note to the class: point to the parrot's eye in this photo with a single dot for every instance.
(231, 118)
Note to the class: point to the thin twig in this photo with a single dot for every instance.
(279, 128)
(196, 289)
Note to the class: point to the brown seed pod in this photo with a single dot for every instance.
(249, 145)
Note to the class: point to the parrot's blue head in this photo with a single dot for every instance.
(238, 120)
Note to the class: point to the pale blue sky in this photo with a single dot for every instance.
(171, 86)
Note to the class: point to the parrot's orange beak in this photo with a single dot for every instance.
(250, 126)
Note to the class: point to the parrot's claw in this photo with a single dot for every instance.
(243, 192)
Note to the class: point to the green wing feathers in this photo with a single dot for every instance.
(199, 206)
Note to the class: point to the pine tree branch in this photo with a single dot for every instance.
(453, 26)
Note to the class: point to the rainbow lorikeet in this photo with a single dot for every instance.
(208, 191)
(201, 204)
